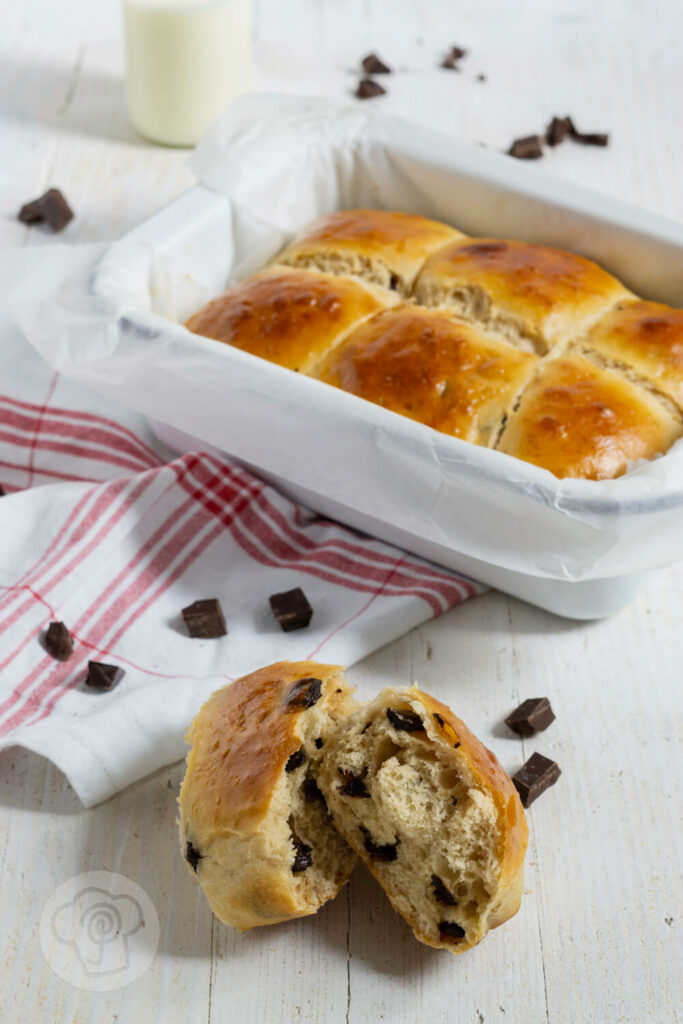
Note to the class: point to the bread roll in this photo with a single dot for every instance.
(432, 814)
(254, 827)
(424, 364)
(533, 295)
(290, 317)
(578, 419)
(385, 247)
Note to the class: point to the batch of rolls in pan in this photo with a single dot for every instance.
(533, 351)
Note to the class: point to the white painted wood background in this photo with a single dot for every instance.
(596, 939)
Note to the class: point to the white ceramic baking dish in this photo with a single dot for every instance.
(578, 548)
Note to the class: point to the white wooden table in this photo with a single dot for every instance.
(595, 940)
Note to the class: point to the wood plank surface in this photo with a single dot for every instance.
(596, 941)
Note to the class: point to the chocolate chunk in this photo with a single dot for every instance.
(530, 147)
(405, 721)
(438, 718)
(454, 801)
(353, 785)
(451, 930)
(591, 138)
(51, 207)
(103, 677)
(367, 89)
(192, 855)
(291, 609)
(372, 65)
(58, 641)
(558, 130)
(532, 715)
(204, 619)
(304, 693)
(441, 893)
(302, 858)
(534, 777)
(385, 853)
(311, 790)
(319, 742)
(455, 54)
(295, 760)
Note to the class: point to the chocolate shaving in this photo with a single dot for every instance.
(103, 677)
(373, 65)
(204, 619)
(367, 89)
(441, 893)
(455, 54)
(58, 641)
(534, 777)
(405, 721)
(304, 693)
(533, 715)
(353, 785)
(530, 147)
(51, 207)
(385, 853)
(291, 609)
(295, 760)
(192, 856)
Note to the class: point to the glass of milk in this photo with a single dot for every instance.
(186, 60)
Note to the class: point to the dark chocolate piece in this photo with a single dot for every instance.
(441, 893)
(405, 721)
(291, 609)
(438, 718)
(304, 693)
(303, 857)
(51, 207)
(534, 777)
(204, 619)
(533, 715)
(558, 130)
(385, 853)
(367, 89)
(454, 801)
(58, 641)
(352, 785)
(455, 54)
(530, 147)
(591, 138)
(295, 760)
(372, 65)
(319, 742)
(103, 677)
(311, 790)
(451, 930)
(192, 856)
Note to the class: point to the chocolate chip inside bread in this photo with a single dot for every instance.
(192, 856)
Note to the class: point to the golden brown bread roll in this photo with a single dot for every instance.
(534, 295)
(431, 812)
(290, 317)
(425, 365)
(647, 337)
(382, 246)
(254, 828)
(463, 357)
(578, 419)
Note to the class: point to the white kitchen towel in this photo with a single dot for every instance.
(104, 530)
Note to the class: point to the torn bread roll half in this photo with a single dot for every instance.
(431, 812)
(254, 826)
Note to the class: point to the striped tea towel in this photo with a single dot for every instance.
(105, 531)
